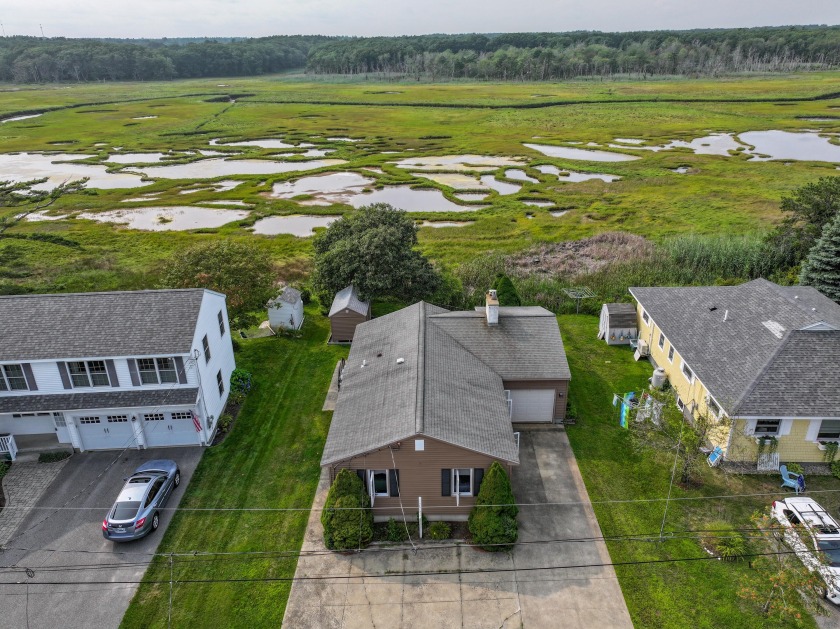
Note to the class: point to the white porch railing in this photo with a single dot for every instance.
(8, 446)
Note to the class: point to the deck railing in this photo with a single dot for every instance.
(8, 446)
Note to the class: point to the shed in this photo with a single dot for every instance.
(286, 310)
(618, 325)
(347, 311)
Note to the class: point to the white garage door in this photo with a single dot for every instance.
(106, 432)
(532, 405)
(170, 429)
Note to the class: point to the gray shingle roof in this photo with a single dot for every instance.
(97, 399)
(802, 379)
(441, 390)
(728, 356)
(526, 345)
(348, 298)
(289, 295)
(89, 325)
(622, 315)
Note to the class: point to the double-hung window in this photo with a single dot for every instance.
(206, 345)
(671, 354)
(462, 482)
(714, 409)
(12, 378)
(645, 316)
(767, 427)
(157, 370)
(221, 318)
(661, 341)
(689, 375)
(88, 373)
(829, 429)
(220, 382)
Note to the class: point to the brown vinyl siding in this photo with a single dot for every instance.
(420, 475)
(561, 388)
(343, 325)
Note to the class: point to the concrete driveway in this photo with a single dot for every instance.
(74, 538)
(526, 588)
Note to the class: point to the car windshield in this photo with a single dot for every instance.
(831, 550)
(139, 479)
(125, 510)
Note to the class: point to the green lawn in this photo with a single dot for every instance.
(678, 595)
(271, 459)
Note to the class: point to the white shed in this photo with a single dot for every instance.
(618, 325)
(286, 310)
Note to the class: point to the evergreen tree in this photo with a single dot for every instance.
(822, 268)
(492, 521)
(506, 291)
(347, 517)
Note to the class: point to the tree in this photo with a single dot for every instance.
(506, 291)
(492, 521)
(20, 195)
(809, 208)
(244, 273)
(822, 268)
(373, 249)
(347, 517)
(781, 584)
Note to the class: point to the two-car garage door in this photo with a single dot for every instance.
(532, 405)
(113, 432)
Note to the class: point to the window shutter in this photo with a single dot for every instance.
(478, 476)
(394, 482)
(132, 371)
(30, 377)
(446, 482)
(179, 368)
(785, 427)
(65, 377)
(112, 373)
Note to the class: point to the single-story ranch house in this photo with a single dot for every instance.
(766, 356)
(428, 398)
(102, 371)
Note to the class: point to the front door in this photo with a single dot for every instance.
(61, 431)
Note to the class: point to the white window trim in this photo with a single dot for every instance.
(373, 492)
(645, 317)
(819, 439)
(661, 341)
(205, 347)
(455, 476)
(671, 354)
(759, 435)
(87, 374)
(683, 367)
(680, 403)
(155, 360)
(5, 380)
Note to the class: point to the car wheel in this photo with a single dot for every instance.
(177, 477)
(155, 522)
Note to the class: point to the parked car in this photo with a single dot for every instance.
(811, 530)
(136, 511)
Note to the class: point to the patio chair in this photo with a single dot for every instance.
(715, 457)
(792, 480)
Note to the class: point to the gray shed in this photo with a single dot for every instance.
(347, 311)
(618, 325)
(286, 310)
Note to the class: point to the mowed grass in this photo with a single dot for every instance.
(668, 595)
(270, 460)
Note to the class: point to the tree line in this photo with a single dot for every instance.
(557, 56)
(40, 60)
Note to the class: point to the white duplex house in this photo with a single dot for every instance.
(102, 371)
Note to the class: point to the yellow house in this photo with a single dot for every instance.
(767, 357)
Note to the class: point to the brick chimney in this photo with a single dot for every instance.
(491, 307)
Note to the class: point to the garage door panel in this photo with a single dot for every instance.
(105, 432)
(170, 429)
(532, 405)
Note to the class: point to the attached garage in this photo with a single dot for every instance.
(174, 428)
(532, 405)
(105, 432)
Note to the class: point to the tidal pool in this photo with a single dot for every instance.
(539, 203)
(409, 200)
(307, 153)
(471, 196)
(791, 145)
(266, 143)
(58, 169)
(453, 180)
(575, 177)
(209, 168)
(559, 213)
(629, 140)
(18, 118)
(177, 218)
(581, 154)
(297, 225)
(446, 223)
(342, 139)
(135, 158)
(519, 175)
(236, 203)
(458, 162)
(681, 170)
(325, 189)
(144, 117)
(502, 187)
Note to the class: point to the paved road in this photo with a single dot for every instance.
(77, 536)
(515, 592)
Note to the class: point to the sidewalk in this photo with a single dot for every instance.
(23, 486)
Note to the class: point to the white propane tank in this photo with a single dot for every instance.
(658, 378)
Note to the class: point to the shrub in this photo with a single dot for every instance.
(54, 457)
(506, 292)
(225, 421)
(726, 542)
(439, 530)
(492, 521)
(240, 385)
(795, 468)
(353, 527)
(396, 531)
(835, 469)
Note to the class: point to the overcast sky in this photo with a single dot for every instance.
(198, 18)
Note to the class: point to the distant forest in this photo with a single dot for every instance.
(505, 57)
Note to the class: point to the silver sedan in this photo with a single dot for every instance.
(136, 511)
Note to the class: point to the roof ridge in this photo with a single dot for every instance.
(111, 292)
(420, 389)
(754, 383)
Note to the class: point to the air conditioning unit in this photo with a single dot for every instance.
(642, 350)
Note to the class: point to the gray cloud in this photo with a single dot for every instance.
(196, 18)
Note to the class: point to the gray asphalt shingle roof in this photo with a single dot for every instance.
(729, 355)
(97, 399)
(450, 385)
(90, 325)
(622, 315)
(289, 295)
(348, 298)
(802, 379)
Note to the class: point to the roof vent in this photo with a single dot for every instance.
(400, 360)
(712, 308)
(364, 364)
